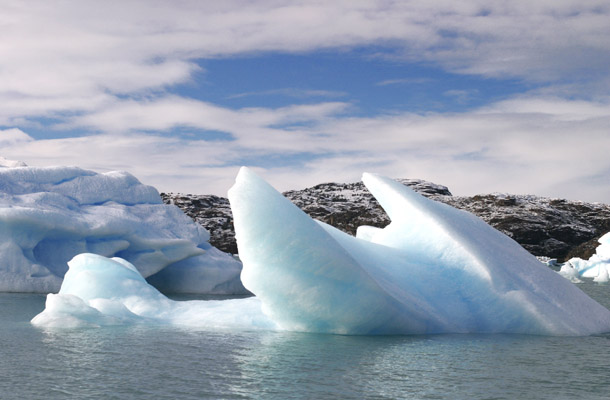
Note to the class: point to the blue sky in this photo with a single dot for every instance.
(511, 97)
(372, 85)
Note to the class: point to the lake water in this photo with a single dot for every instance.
(144, 362)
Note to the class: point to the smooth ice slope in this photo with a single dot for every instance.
(48, 215)
(433, 269)
(98, 291)
(598, 265)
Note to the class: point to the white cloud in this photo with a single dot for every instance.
(13, 137)
(292, 92)
(404, 81)
(253, 128)
(110, 67)
(461, 96)
(522, 145)
(64, 51)
(168, 163)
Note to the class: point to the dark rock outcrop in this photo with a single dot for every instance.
(212, 212)
(555, 228)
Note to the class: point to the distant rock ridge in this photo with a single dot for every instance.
(555, 228)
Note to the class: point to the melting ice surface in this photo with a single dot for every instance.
(434, 269)
(49, 215)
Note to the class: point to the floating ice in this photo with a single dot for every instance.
(433, 269)
(597, 266)
(98, 291)
(603, 276)
(569, 272)
(48, 215)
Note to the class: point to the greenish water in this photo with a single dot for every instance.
(144, 362)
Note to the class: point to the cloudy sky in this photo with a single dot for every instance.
(480, 96)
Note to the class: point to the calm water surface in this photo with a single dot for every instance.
(140, 362)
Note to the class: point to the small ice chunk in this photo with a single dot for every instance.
(98, 291)
(569, 272)
(599, 262)
(602, 277)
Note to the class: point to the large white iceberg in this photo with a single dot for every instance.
(434, 269)
(49, 215)
(596, 267)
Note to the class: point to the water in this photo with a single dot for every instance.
(140, 362)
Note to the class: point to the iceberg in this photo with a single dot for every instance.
(433, 269)
(48, 215)
(597, 265)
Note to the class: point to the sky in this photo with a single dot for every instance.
(480, 96)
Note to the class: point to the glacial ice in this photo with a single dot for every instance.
(433, 269)
(595, 267)
(49, 215)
